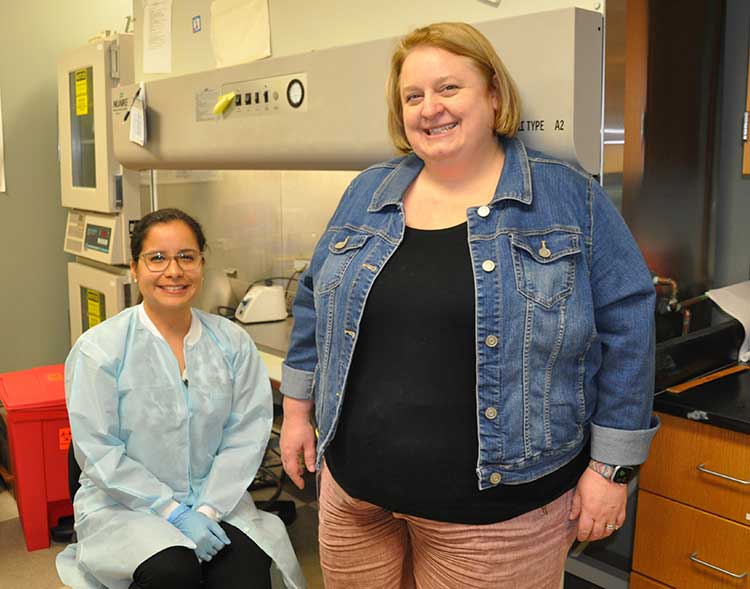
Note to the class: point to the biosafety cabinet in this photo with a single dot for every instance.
(102, 197)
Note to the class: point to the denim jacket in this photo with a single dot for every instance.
(564, 315)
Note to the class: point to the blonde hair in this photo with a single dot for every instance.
(461, 39)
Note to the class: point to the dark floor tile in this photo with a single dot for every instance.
(304, 536)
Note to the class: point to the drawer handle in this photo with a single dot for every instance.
(702, 468)
(694, 558)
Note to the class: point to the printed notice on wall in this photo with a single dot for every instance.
(239, 31)
(157, 41)
(2, 149)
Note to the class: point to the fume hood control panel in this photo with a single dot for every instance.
(267, 96)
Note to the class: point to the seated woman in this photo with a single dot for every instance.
(170, 411)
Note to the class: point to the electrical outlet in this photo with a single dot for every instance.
(300, 265)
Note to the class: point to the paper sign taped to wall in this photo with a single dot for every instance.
(240, 31)
(2, 150)
(157, 40)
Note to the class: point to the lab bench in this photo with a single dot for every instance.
(272, 341)
(693, 516)
(692, 523)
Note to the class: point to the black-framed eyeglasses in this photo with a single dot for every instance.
(187, 260)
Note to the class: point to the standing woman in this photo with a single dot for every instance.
(475, 332)
(170, 411)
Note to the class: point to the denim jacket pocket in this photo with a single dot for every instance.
(342, 248)
(544, 265)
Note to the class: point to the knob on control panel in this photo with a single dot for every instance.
(265, 96)
(295, 93)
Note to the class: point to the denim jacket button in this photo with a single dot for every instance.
(491, 341)
(483, 211)
(488, 265)
(339, 245)
(490, 413)
(495, 478)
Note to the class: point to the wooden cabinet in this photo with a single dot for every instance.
(682, 446)
(692, 518)
(669, 533)
(640, 582)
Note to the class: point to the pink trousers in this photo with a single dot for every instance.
(363, 546)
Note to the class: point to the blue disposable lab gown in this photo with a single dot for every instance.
(145, 439)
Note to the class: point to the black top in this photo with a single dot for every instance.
(724, 402)
(407, 437)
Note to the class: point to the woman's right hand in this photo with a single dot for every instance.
(297, 439)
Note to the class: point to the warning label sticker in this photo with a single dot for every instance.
(82, 92)
(63, 438)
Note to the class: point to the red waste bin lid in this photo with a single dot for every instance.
(37, 388)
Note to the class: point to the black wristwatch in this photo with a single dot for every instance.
(614, 472)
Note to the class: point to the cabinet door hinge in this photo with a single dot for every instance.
(114, 61)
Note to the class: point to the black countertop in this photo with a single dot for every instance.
(724, 402)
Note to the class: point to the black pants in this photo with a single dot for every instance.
(241, 565)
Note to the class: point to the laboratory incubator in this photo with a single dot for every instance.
(102, 197)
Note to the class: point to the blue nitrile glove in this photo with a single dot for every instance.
(208, 536)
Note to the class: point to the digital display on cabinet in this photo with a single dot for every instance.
(98, 238)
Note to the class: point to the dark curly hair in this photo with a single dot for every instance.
(163, 216)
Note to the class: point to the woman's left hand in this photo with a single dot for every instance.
(596, 503)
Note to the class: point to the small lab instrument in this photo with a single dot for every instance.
(261, 303)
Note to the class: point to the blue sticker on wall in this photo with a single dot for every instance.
(197, 24)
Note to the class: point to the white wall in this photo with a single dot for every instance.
(304, 26)
(33, 282)
(299, 26)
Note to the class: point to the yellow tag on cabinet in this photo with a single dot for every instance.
(82, 93)
(95, 310)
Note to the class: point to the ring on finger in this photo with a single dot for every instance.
(612, 527)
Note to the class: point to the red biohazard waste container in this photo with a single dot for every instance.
(39, 438)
